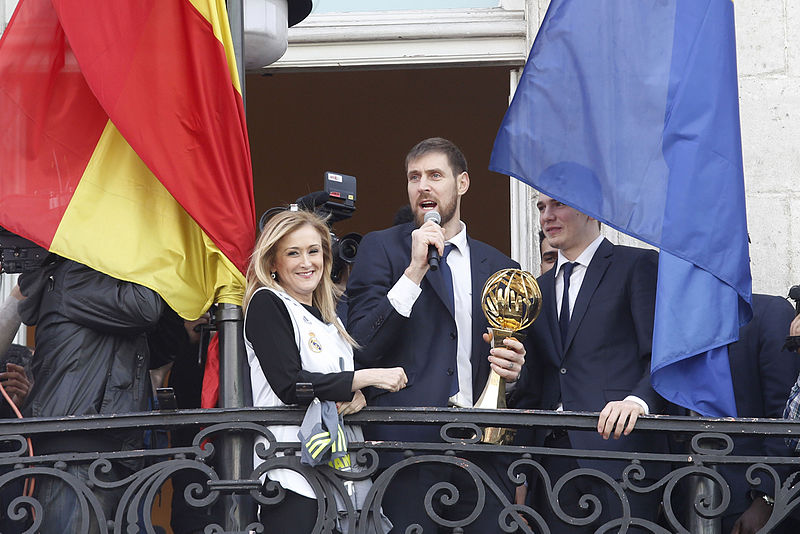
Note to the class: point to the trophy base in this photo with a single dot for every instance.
(498, 436)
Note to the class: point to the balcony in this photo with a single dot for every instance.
(701, 445)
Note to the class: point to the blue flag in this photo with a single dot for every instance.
(628, 111)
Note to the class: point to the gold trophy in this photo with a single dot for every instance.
(511, 301)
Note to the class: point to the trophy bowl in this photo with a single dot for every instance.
(511, 300)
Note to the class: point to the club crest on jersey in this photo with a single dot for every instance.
(313, 343)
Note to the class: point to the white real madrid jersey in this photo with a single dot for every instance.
(322, 350)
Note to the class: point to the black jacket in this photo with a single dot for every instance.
(91, 349)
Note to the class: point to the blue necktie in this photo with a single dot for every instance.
(563, 318)
(447, 283)
(447, 277)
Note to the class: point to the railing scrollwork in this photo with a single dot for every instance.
(702, 446)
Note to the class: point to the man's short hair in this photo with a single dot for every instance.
(404, 215)
(458, 163)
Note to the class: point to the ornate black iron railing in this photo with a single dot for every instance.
(700, 447)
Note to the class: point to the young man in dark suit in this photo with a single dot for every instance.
(590, 351)
(429, 322)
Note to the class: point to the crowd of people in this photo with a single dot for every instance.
(408, 336)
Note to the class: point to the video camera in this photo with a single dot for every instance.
(337, 202)
(19, 255)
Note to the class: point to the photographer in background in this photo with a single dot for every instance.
(762, 374)
(91, 357)
(792, 409)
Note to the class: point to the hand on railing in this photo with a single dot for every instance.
(353, 406)
(615, 415)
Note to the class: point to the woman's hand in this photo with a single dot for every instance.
(353, 406)
(391, 379)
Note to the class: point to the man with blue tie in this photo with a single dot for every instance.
(590, 351)
(430, 322)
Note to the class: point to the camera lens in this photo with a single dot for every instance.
(348, 250)
(348, 247)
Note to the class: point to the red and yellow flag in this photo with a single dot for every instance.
(124, 143)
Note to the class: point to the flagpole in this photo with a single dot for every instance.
(236, 18)
(236, 449)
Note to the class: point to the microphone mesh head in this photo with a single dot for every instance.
(433, 216)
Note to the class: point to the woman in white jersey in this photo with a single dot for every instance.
(292, 335)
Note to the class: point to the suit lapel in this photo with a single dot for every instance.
(594, 274)
(479, 272)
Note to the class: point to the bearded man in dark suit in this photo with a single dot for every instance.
(430, 323)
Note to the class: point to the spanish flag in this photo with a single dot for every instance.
(124, 144)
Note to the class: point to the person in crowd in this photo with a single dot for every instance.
(177, 349)
(548, 256)
(792, 408)
(17, 383)
(292, 336)
(763, 375)
(430, 323)
(590, 351)
(91, 357)
(547, 253)
(16, 379)
(403, 215)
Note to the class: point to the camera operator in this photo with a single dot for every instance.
(91, 357)
(335, 203)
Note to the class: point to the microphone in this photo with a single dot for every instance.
(433, 253)
(312, 201)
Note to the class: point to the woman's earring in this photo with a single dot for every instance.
(274, 275)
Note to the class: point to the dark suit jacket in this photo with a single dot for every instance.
(763, 375)
(424, 344)
(608, 346)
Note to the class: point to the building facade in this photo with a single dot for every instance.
(363, 81)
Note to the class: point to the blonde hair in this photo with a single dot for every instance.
(262, 262)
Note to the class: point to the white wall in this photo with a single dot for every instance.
(768, 44)
(7, 9)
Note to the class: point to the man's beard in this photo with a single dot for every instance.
(446, 211)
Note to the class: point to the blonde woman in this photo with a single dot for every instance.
(292, 335)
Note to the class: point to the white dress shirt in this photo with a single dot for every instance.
(575, 282)
(405, 293)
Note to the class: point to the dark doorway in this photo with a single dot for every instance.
(363, 123)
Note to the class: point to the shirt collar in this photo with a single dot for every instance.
(459, 241)
(585, 257)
